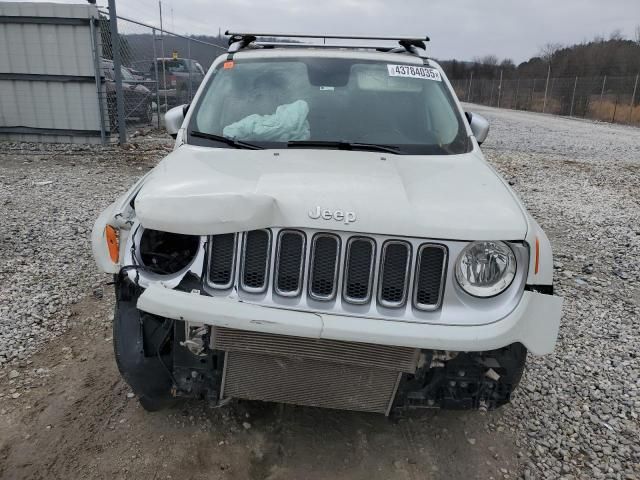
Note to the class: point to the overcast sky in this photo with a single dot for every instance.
(460, 29)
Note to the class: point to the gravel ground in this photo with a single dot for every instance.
(50, 195)
(65, 411)
(578, 410)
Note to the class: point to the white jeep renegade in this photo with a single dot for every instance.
(326, 232)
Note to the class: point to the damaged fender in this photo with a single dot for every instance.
(121, 216)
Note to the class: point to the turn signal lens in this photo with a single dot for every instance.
(537, 266)
(113, 244)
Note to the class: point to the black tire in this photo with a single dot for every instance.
(146, 373)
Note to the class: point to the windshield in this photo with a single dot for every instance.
(329, 102)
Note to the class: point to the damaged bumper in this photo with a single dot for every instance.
(534, 323)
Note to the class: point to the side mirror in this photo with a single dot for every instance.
(479, 126)
(173, 119)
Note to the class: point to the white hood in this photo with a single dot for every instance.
(200, 191)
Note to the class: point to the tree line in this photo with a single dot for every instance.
(614, 56)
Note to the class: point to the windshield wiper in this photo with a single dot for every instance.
(229, 141)
(344, 145)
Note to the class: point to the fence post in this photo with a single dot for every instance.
(573, 97)
(533, 90)
(190, 66)
(633, 97)
(470, 84)
(115, 46)
(98, 75)
(155, 68)
(164, 67)
(546, 89)
(500, 89)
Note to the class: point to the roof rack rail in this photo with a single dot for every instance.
(240, 40)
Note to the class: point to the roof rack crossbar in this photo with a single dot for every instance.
(323, 45)
(330, 36)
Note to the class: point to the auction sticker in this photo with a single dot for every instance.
(413, 71)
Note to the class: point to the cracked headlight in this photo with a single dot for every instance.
(485, 269)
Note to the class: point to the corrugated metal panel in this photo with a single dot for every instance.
(47, 49)
(49, 105)
(42, 9)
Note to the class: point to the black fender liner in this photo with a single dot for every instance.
(143, 348)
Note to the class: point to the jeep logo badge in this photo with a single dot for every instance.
(337, 215)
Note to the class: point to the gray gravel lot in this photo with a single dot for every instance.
(578, 410)
(574, 416)
(50, 195)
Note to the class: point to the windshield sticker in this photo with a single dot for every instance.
(410, 71)
(327, 89)
(228, 65)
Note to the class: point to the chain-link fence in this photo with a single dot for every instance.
(159, 70)
(610, 99)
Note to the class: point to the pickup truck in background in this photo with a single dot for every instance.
(178, 79)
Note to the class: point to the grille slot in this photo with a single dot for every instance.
(394, 274)
(255, 261)
(325, 251)
(359, 270)
(289, 263)
(222, 253)
(430, 271)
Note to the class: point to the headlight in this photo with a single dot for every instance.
(485, 269)
(166, 253)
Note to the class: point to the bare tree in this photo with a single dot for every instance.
(489, 60)
(638, 34)
(549, 50)
(616, 35)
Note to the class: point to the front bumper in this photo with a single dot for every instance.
(534, 323)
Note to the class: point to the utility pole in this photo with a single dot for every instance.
(115, 46)
(546, 89)
(470, 84)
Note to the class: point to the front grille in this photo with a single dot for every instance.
(314, 372)
(323, 277)
(429, 276)
(289, 263)
(222, 250)
(255, 260)
(394, 273)
(310, 278)
(359, 270)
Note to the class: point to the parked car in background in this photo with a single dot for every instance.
(178, 79)
(138, 99)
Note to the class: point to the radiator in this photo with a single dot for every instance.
(319, 373)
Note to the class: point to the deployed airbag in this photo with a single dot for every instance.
(289, 123)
